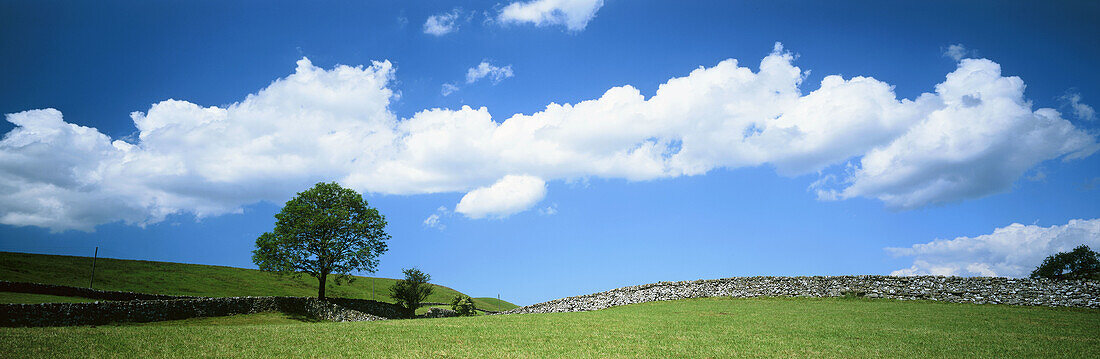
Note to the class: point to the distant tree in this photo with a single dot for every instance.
(1079, 263)
(324, 230)
(463, 305)
(412, 290)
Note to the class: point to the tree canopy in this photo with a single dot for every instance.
(327, 229)
(1080, 263)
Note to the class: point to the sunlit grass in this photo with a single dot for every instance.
(711, 327)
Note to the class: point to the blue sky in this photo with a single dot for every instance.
(565, 211)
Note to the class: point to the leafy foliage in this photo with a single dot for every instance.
(463, 305)
(412, 290)
(324, 230)
(1080, 263)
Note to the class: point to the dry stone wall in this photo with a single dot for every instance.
(381, 309)
(424, 304)
(138, 311)
(439, 313)
(979, 290)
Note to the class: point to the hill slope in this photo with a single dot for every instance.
(195, 279)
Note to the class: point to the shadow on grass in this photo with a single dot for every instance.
(304, 318)
(265, 318)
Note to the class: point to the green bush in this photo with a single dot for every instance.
(463, 305)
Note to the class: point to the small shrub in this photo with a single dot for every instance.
(412, 290)
(463, 305)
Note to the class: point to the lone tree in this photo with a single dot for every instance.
(324, 230)
(1080, 263)
(412, 290)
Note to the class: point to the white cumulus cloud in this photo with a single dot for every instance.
(1011, 251)
(487, 70)
(979, 136)
(442, 24)
(510, 195)
(973, 136)
(573, 14)
(202, 160)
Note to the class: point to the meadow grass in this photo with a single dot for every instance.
(195, 279)
(708, 327)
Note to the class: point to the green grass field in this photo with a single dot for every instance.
(194, 279)
(711, 327)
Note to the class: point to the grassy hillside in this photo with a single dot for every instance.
(491, 302)
(194, 279)
(710, 327)
(27, 298)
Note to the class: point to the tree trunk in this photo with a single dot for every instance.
(321, 288)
